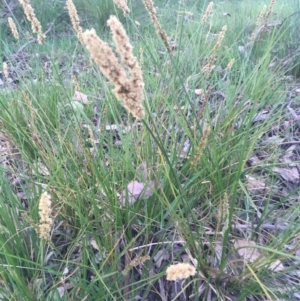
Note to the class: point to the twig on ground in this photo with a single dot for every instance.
(263, 226)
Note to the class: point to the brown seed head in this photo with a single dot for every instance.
(201, 145)
(135, 262)
(122, 4)
(207, 12)
(209, 66)
(257, 24)
(230, 64)
(36, 26)
(13, 28)
(127, 89)
(74, 19)
(158, 28)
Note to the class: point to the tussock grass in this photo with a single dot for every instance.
(180, 108)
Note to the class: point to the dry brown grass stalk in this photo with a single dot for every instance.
(36, 26)
(122, 4)
(207, 12)
(46, 220)
(74, 19)
(159, 30)
(13, 28)
(129, 90)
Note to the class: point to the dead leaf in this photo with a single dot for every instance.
(81, 97)
(61, 291)
(254, 184)
(160, 256)
(142, 171)
(276, 266)
(226, 14)
(137, 191)
(245, 249)
(288, 174)
(198, 91)
(254, 161)
(186, 147)
(289, 151)
(260, 116)
(274, 140)
(94, 244)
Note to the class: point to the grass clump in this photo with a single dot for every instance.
(180, 182)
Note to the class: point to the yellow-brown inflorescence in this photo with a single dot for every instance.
(13, 28)
(5, 70)
(207, 12)
(266, 18)
(74, 19)
(122, 4)
(270, 10)
(210, 65)
(204, 103)
(35, 23)
(201, 145)
(135, 262)
(257, 24)
(45, 212)
(129, 90)
(223, 213)
(159, 30)
(180, 271)
(229, 65)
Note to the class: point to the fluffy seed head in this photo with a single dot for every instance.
(46, 220)
(180, 271)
